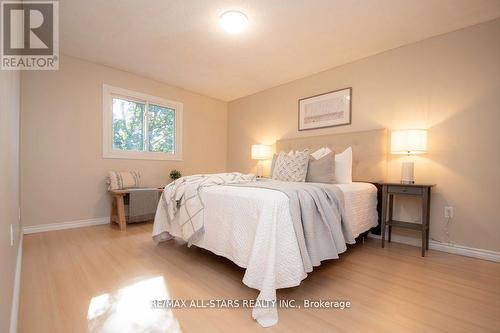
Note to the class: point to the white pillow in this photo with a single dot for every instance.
(343, 167)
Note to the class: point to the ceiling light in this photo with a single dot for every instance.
(233, 21)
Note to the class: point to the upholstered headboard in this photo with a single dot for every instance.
(369, 149)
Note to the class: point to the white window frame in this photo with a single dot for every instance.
(108, 92)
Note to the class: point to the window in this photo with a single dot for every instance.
(139, 126)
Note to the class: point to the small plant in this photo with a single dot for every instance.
(175, 174)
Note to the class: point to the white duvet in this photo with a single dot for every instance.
(253, 228)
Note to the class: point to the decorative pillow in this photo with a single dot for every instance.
(322, 170)
(343, 167)
(321, 152)
(273, 163)
(291, 168)
(119, 180)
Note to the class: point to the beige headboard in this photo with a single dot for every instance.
(369, 148)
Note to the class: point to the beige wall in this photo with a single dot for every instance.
(63, 169)
(9, 189)
(449, 84)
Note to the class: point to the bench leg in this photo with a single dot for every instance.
(120, 206)
(114, 214)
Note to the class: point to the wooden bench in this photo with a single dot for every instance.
(118, 206)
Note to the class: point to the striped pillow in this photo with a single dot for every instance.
(291, 168)
(119, 180)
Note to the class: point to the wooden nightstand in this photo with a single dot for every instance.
(389, 190)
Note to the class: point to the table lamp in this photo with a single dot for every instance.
(411, 142)
(261, 153)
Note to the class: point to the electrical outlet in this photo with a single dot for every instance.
(11, 235)
(448, 212)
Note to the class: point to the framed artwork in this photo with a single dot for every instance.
(325, 110)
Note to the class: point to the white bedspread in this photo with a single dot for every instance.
(360, 206)
(253, 228)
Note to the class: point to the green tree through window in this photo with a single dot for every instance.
(129, 126)
(161, 133)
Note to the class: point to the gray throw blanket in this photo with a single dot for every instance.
(316, 210)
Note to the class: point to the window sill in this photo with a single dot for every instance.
(143, 156)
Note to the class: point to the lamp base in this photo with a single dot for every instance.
(260, 170)
(407, 173)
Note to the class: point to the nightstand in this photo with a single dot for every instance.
(389, 190)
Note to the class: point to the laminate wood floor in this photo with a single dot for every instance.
(99, 279)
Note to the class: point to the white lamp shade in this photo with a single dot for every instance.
(412, 141)
(261, 152)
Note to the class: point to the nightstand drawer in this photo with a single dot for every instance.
(405, 190)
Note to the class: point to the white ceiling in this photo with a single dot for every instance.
(180, 42)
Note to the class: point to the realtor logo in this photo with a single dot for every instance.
(29, 35)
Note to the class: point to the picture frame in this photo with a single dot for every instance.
(330, 109)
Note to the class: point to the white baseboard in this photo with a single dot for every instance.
(444, 247)
(65, 225)
(14, 312)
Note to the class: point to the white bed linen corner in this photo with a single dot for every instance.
(253, 228)
(360, 206)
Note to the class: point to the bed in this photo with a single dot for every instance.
(253, 227)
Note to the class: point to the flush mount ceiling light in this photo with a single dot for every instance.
(233, 22)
